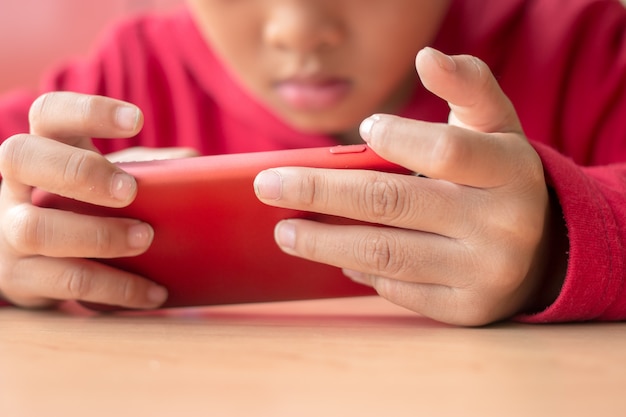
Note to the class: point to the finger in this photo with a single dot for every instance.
(391, 199)
(438, 302)
(140, 153)
(79, 279)
(75, 118)
(449, 152)
(33, 230)
(393, 253)
(30, 161)
(467, 84)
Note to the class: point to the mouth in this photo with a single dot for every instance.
(312, 93)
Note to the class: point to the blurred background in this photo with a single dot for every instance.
(35, 34)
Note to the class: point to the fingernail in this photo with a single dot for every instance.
(122, 186)
(157, 294)
(140, 235)
(268, 185)
(126, 117)
(444, 61)
(365, 129)
(285, 235)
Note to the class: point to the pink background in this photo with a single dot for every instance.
(35, 34)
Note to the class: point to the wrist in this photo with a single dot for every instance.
(554, 259)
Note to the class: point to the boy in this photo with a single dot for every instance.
(483, 238)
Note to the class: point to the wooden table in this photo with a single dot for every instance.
(341, 357)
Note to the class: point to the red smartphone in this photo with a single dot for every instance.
(214, 240)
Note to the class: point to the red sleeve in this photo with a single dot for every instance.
(588, 173)
(592, 200)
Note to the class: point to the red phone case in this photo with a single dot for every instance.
(214, 240)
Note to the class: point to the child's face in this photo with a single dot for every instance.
(322, 65)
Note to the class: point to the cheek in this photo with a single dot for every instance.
(382, 64)
(242, 57)
(380, 72)
(389, 38)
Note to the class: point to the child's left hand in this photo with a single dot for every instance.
(466, 245)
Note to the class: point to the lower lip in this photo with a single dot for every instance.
(313, 96)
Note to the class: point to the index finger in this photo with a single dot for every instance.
(76, 118)
(397, 200)
(28, 161)
(451, 153)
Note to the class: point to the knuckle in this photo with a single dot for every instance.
(12, 155)
(103, 240)
(379, 251)
(483, 72)
(312, 190)
(129, 292)
(311, 246)
(448, 151)
(26, 230)
(54, 105)
(79, 167)
(87, 107)
(79, 282)
(38, 108)
(383, 199)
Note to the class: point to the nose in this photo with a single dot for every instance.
(301, 26)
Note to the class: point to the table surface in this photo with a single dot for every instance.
(340, 357)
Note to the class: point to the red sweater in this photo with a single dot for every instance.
(561, 63)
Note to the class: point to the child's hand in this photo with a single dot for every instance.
(43, 251)
(464, 246)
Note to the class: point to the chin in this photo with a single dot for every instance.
(322, 123)
(322, 128)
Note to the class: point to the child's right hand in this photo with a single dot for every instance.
(43, 252)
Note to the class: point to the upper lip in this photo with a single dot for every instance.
(307, 70)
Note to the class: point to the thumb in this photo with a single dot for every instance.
(473, 94)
